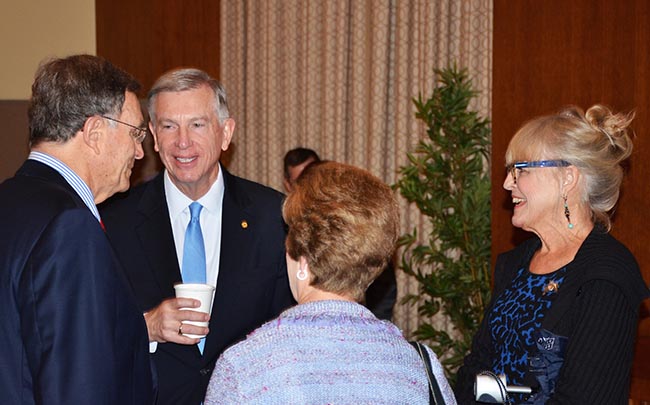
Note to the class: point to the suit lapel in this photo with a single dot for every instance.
(156, 238)
(236, 233)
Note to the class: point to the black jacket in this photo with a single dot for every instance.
(252, 285)
(596, 308)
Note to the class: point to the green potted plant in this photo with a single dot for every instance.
(447, 178)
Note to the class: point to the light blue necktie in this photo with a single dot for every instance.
(194, 252)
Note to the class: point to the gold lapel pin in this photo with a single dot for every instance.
(551, 287)
(244, 224)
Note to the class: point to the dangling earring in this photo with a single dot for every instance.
(567, 214)
(301, 275)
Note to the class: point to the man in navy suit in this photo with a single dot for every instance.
(71, 331)
(241, 225)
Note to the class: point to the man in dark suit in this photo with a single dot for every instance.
(70, 329)
(242, 230)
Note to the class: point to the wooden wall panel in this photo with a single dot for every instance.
(149, 37)
(552, 53)
(15, 139)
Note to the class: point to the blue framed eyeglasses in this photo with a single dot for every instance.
(514, 167)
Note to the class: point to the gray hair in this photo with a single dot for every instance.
(67, 91)
(188, 79)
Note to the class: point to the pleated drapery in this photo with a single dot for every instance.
(339, 76)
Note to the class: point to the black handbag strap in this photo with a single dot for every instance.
(435, 395)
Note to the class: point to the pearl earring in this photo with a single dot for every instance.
(301, 275)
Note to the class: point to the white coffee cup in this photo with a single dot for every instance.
(201, 292)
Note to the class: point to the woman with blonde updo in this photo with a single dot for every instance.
(564, 310)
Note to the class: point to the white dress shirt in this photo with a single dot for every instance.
(179, 216)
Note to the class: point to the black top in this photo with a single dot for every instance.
(516, 316)
(596, 307)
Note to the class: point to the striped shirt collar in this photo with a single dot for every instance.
(79, 186)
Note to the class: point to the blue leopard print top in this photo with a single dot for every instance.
(517, 314)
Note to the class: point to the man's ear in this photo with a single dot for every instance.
(287, 185)
(92, 131)
(228, 130)
(152, 129)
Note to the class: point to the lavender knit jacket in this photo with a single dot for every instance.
(324, 352)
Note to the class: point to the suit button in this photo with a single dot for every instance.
(205, 371)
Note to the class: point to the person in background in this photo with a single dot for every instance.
(70, 329)
(295, 162)
(343, 226)
(381, 295)
(241, 229)
(565, 306)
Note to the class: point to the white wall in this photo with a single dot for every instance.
(32, 30)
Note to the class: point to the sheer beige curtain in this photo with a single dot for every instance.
(339, 76)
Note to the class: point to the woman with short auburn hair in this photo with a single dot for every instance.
(343, 226)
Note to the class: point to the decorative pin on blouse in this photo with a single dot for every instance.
(244, 224)
(551, 287)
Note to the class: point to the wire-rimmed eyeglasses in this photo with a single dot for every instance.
(515, 167)
(138, 133)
